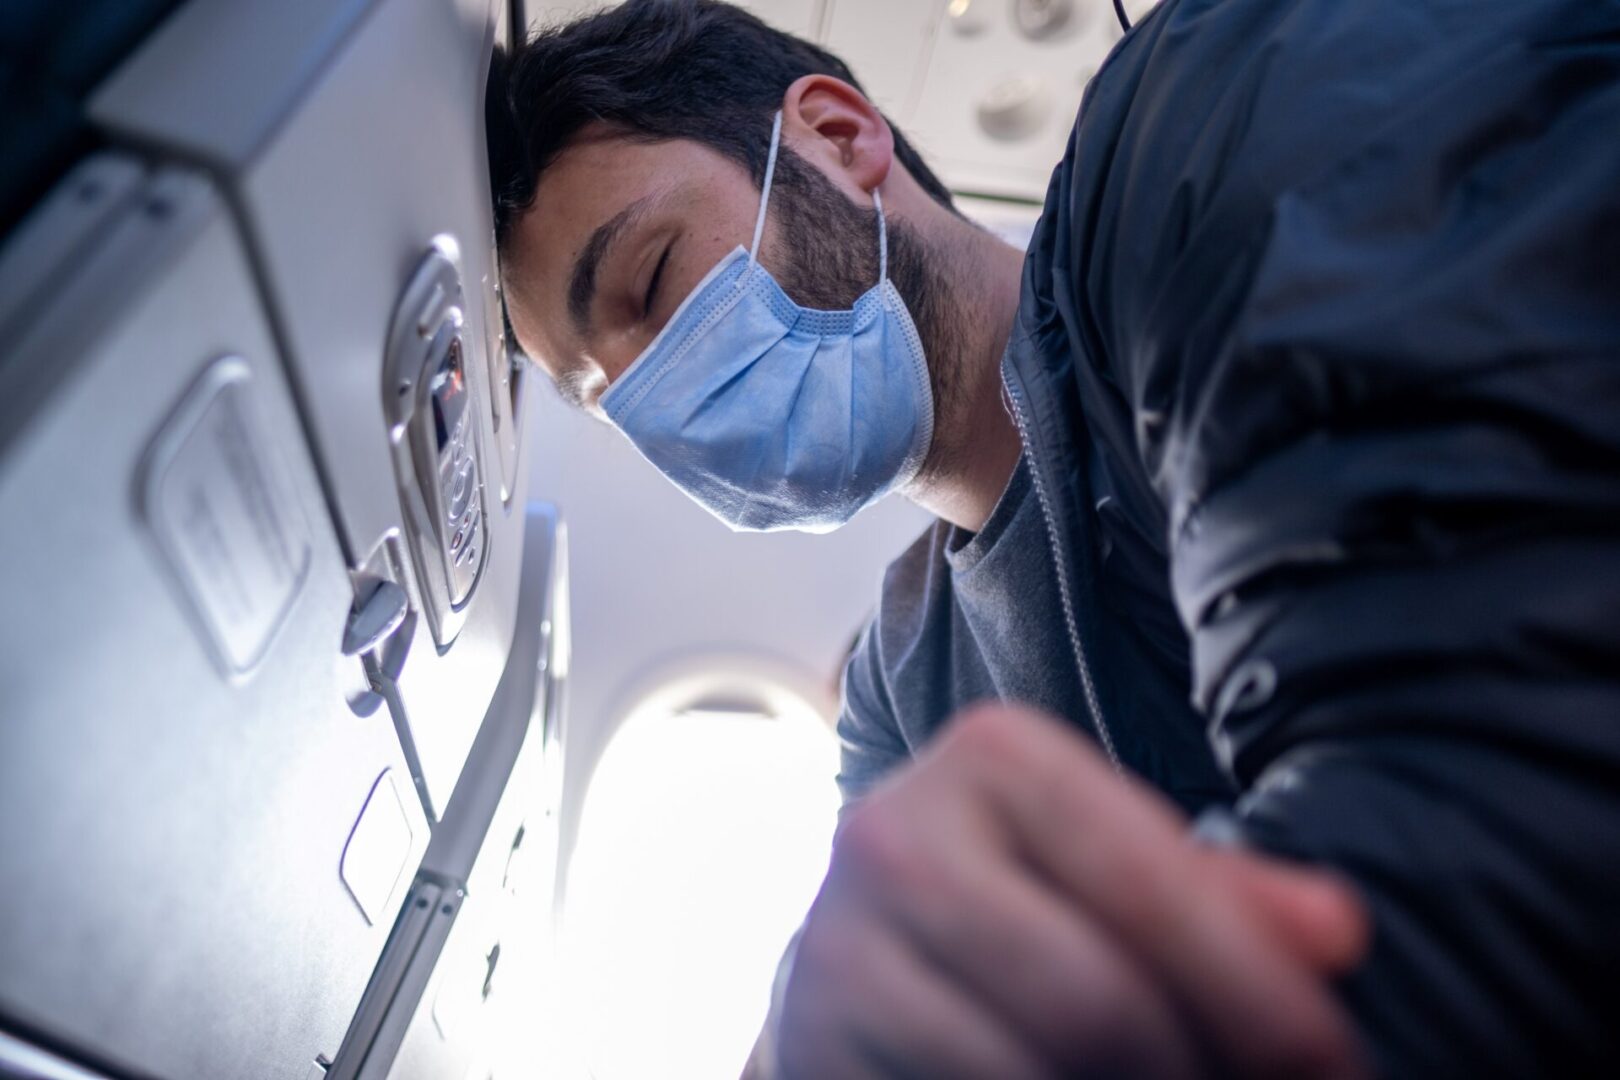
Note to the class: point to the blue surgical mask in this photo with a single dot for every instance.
(775, 416)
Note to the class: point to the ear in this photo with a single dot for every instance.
(833, 126)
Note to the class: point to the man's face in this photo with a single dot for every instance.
(621, 231)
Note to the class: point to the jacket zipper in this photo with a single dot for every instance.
(1065, 593)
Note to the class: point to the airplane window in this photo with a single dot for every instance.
(705, 834)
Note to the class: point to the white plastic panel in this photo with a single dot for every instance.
(987, 90)
(19, 1059)
(1013, 222)
(342, 221)
(171, 826)
(1137, 10)
(64, 224)
(432, 1009)
(219, 77)
(418, 951)
(500, 845)
(1003, 87)
(801, 17)
(887, 43)
(347, 167)
(467, 1016)
(379, 850)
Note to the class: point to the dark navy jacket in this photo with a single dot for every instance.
(1318, 371)
(1328, 293)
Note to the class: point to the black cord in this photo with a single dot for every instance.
(1124, 19)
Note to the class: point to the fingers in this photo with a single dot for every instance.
(961, 941)
(1118, 853)
(1011, 908)
(1314, 917)
(863, 1005)
(1051, 976)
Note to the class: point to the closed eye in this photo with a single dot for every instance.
(652, 284)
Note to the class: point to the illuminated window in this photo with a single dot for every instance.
(704, 837)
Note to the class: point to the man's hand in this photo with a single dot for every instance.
(1010, 908)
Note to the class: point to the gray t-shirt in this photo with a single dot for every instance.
(966, 617)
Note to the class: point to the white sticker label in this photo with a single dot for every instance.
(219, 503)
(379, 846)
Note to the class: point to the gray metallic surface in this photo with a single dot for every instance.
(463, 1020)
(431, 1009)
(420, 910)
(497, 836)
(221, 76)
(349, 138)
(425, 955)
(54, 246)
(170, 835)
(433, 426)
(380, 609)
(64, 222)
(21, 1061)
(521, 699)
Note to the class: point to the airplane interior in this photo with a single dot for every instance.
(368, 711)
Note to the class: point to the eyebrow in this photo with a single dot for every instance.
(582, 283)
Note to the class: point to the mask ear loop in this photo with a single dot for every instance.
(765, 202)
(883, 238)
(765, 192)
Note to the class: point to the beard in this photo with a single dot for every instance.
(826, 257)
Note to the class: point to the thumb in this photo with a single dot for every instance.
(1315, 916)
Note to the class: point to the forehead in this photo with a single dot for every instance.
(599, 175)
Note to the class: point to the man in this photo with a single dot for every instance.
(1301, 410)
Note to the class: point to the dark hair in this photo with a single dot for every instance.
(658, 69)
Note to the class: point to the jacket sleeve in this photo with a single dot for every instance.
(1390, 461)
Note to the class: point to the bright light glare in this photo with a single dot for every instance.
(704, 838)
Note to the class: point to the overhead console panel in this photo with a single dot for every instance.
(261, 460)
(433, 423)
(199, 871)
(350, 137)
